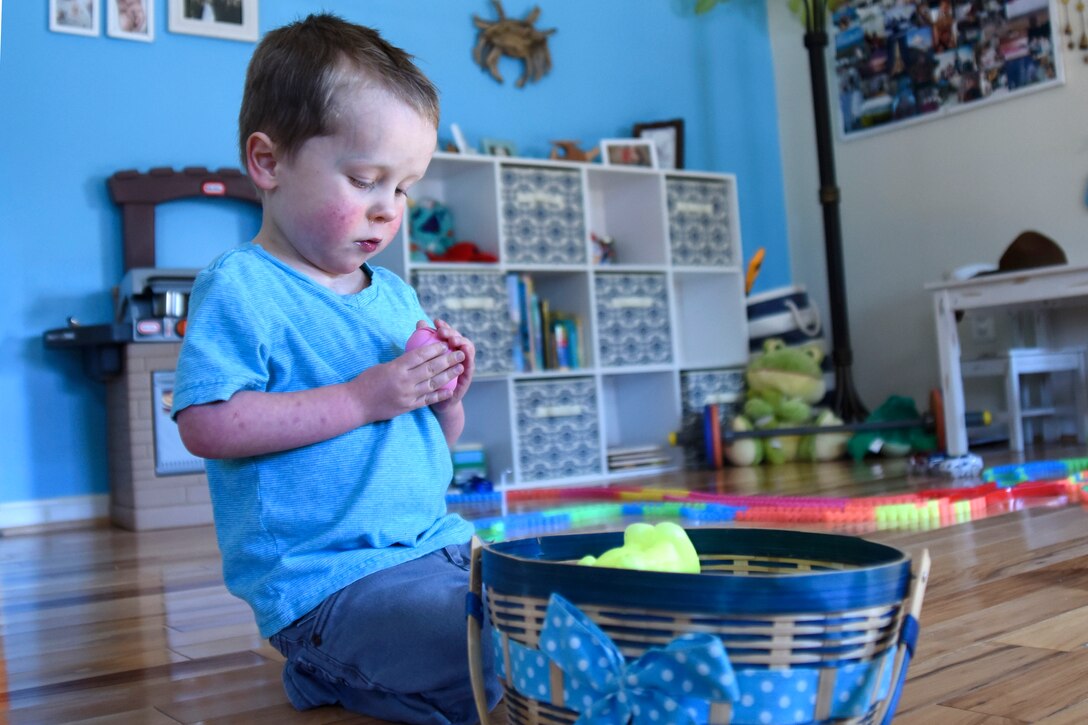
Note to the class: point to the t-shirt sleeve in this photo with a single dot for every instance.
(223, 351)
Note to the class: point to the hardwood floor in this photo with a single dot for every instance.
(100, 625)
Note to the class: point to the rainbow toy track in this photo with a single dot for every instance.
(1004, 489)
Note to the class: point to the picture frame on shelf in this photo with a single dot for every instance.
(226, 19)
(628, 152)
(668, 141)
(131, 19)
(498, 147)
(78, 17)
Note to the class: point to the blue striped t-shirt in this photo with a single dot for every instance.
(294, 527)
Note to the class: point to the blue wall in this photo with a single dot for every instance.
(75, 109)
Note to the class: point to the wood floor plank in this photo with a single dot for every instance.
(229, 693)
(1065, 632)
(989, 620)
(142, 716)
(1075, 714)
(1032, 692)
(198, 650)
(101, 695)
(940, 679)
(941, 715)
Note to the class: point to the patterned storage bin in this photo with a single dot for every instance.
(557, 429)
(780, 627)
(699, 388)
(476, 304)
(633, 319)
(700, 227)
(543, 215)
(702, 387)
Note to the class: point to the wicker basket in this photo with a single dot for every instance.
(816, 628)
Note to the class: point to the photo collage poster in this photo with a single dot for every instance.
(899, 61)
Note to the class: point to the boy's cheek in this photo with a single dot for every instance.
(332, 222)
(394, 225)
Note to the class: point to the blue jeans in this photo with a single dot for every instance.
(393, 645)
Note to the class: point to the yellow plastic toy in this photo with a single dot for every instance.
(664, 547)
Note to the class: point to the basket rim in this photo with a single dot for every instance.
(537, 567)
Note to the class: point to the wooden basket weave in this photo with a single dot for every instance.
(824, 609)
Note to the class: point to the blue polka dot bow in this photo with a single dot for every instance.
(606, 689)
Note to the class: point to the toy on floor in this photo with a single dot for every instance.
(425, 336)
(783, 384)
(893, 442)
(664, 547)
(967, 465)
(1016, 486)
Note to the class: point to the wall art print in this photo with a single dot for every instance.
(903, 61)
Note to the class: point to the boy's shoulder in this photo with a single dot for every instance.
(247, 263)
(243, 256)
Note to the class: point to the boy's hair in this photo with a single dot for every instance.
(291, 83)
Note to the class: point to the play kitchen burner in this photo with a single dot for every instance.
(150, 306)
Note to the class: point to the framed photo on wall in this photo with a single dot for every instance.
(628, 152)
(668, 140)
(229, 19)
(901, 62)
(131, 19)
(79, 17)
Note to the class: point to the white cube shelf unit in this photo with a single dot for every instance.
(667, 306)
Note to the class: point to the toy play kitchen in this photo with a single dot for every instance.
(149, 306)
(154, 481)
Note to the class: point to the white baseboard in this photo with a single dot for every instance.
(18, 514)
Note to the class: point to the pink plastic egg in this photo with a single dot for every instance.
(425, 336)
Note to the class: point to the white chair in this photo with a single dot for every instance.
(1027, 403)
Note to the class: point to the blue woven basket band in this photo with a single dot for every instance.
(474, 607)
(908, 635)
(874, 574)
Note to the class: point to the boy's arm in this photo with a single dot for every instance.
(252, 422)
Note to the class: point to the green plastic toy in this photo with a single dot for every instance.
(664, 547)
(783, 385)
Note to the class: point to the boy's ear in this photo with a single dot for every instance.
(261, 160)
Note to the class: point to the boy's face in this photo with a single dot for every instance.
(340, 199)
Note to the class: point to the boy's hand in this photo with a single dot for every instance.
(415, 379)
(457, 343)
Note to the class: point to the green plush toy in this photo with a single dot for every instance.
(783, 384)
(664, 547)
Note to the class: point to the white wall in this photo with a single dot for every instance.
(922, 200)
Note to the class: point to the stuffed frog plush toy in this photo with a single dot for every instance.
(783, 385)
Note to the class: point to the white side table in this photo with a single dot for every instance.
(1026, 288)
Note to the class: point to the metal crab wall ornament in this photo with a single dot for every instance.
(515, 39)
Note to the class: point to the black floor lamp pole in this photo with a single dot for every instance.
(845, 401)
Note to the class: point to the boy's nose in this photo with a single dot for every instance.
(382, 210)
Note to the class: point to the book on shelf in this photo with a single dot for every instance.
(637, 457)
(545, 338)
(515, 302)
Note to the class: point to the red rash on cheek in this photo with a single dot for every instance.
(330, 222)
